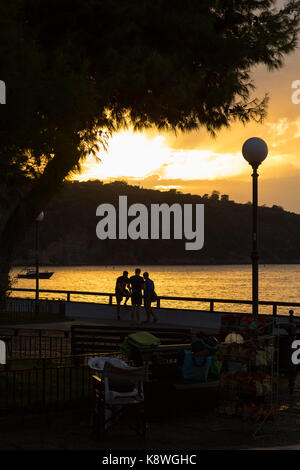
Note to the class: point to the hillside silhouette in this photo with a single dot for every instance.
(68, 232)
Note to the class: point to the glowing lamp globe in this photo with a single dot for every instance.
(255, 150)
(40, 217)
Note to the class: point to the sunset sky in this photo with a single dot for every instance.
(196, 163)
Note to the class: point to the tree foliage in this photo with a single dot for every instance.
(73, 68)
(77, 71)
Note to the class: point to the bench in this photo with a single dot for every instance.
(93, 339)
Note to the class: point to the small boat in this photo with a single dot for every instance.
(31, 274)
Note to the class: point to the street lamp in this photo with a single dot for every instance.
(39, 219)
(254, 150)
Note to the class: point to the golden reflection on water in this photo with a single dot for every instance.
(276, 282)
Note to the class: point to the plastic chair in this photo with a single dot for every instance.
(98, 363)
(119, 395)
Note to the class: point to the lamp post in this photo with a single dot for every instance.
(254, 150)
(39, 218)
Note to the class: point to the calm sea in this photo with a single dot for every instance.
(276, 282)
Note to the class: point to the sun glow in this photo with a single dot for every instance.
(129, 155)
(137, 155)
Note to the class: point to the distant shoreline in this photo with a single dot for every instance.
(149, 264)
(68, 232)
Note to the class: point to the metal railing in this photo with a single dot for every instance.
(55, 383)
(35, 344)
(210, 301)
(23, 343)
(44, 387)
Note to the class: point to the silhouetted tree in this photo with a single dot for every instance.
(215, 196)
(76, 69)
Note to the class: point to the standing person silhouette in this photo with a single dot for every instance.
(121, 290)
(137, 285)
(149, 296)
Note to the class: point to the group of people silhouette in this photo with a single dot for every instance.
(138, 288)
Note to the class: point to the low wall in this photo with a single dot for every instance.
(16, 304)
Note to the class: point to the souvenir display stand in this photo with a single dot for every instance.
(249, 378)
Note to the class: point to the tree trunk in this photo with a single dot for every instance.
(23, 212)
(5, 263)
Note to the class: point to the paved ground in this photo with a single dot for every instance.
(61, 325)
(196, 430)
